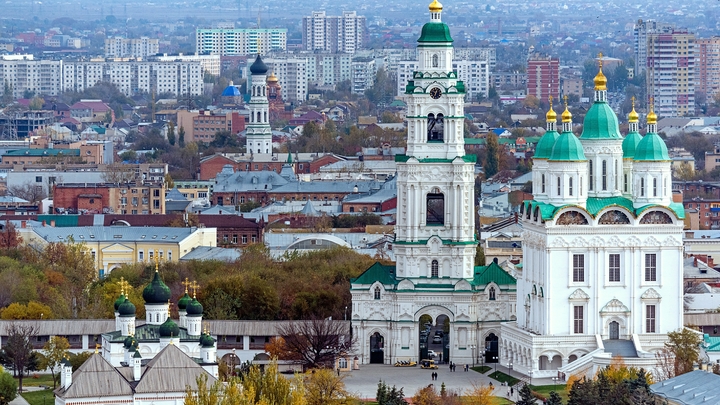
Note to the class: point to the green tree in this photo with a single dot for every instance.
(181, 137)
(7, 96)
(479, 255)
(526, 396)
(77, 360)
(492, 160)
(74, 262)
(18, 349)
(36, 103)
(389, 396)
(8, 387)
(171, 133)
(55, 350)
(685, 348)
(554, 399)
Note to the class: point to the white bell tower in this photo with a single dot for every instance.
(435, 225)
(259, 133)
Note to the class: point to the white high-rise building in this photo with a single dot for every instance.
(292, 74)
(41, 77)
(240, 41)
(131, 47)
(602, 249)
(258, 133)
(474, 73)
(343, 33)
(640, 35)
(435, 281)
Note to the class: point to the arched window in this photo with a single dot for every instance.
(570, 186)
(642, 187)
(377, 293)
(592, 176)
(558, 186)
(654, 187)
(491, 294)
(434, 269)
(604, 175)
(435, 128)
(542, 183)
(435, 214)
(435, 61)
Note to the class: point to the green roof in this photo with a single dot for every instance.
(485, 275)
(544, 148)
(712, 343)
(377, 272)
(435, 32)
(593, 206)
(630, 144)
(43, 152)
(156, 292)
(600, 123)
(149, 333)
(567, 148)
(651, 148)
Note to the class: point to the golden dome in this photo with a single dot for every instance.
(600, 80)
(272, 77)
(435, 7)
(551, 115)
(566, 115)
(652, 117)
(633, 116)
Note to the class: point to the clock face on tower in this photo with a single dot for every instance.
(435, 93)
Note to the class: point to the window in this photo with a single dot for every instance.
(615, 175)
(642, 187)
(625, 183)
(342, 362)
(244, 239)
(578, 318)
(151, 255)
(614, 270)
(558, 186)
(592, 176)
(542, 183)
(650, 267)
(434, 269)
(169, 255)
(570, 186)
(650, 319)
(377, 293)
(654, 187)
(435, 62)
(38, 179)
(604, 175)
(491, 294)
(435, 209)
(578, 268)
(234, 239)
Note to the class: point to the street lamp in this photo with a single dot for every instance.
(472, 352)
(346, 312)
(509, 365)
(555, 380)
(495, 360)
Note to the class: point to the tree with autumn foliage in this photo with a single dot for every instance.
(277, 349)
(326, 387)
(479, 395)
(9, 238)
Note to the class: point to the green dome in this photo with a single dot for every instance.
(435, 32)
(600, 123)
(133, 346)
(206, 340)
(544, 147)
(184, 301)
(630, 143)
(126, 309)
(651, 148)
(156, 292)
(128, 342)
(568, 148)
(194, 308)
(169, 329)
(119, 301)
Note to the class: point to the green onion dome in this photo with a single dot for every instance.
(183, 302)
(600, 123)
(156, 292)
(128, 342)
(169, 329)
(567, 148)
(194, 308)
(126, 309)
(651, 148)
(435, 32)
(630, 144)
(133, 346)
(206, 340)
(544, 147)
(119, 301)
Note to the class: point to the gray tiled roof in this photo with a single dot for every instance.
(695, 387)
(171, 370)
(113, 233)
(213, 253)
(249, 181)
(328, 187)
(96, 378)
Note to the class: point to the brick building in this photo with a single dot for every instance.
(543, 77)
(108, 198)
(201, 126)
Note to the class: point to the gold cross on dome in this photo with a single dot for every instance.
(195, 286)
(600, 56)
(566, 100)
(187, 284)
(632, 100)
(550, 98)
(123, 285)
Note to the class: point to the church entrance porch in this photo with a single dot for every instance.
(377, 348)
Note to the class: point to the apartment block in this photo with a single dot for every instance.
(327, 69)
(670, 72)
(292, 74)
(543, 77)
(240, 41)
(343, 33)
(640, 33)
(509, 80)
(109, 198)
(572, 86)
(201, 126)
(38, 76)
(131, 47)
(211, 64)
(474, 73)
(707, 67)
(364, 71)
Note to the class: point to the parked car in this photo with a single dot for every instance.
(437, 339)
(439, 333)
(431, 354)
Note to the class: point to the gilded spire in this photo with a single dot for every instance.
(652, 117)
(187, 284)
(600, 79)
(169, 308)
(194, 287)
(551, 115)
(157, 260)
(633, 116)
(435, 7)
(566, 115)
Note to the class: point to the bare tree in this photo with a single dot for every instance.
(316, 342)
(28, 191)
(690, 287)
(665, 366)
(19, 348)
(118, 173)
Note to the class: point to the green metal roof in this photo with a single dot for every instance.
(651, 148)
(594, 206)
(43, 152)
(600, 123)
(435, 32)
(377, 272)
(60, 220)
(712, 343)
(567, 148)
(630, 144)
(485, 275)
(149, 333)
(544, 148)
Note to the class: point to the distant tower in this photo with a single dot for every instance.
(258, 133)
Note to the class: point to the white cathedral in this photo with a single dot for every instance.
(602, 242)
